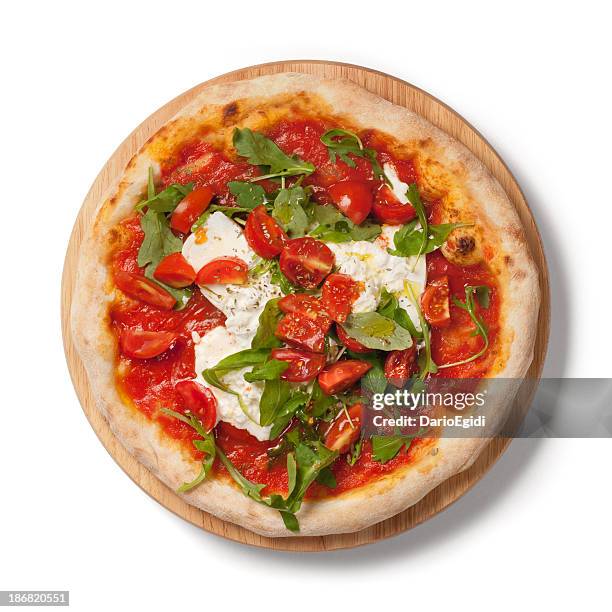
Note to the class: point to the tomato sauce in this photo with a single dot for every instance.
(150, 383)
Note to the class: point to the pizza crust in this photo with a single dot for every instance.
(367, 505)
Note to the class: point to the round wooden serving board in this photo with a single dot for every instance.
(398, 92)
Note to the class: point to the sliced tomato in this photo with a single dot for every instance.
(264, 235)
(306, 262)
(435, 302)
(141, 344)
(388, 209)
(342, 375)
(306, 306)
(199, 400)
(350, 343)
(223, 270)
(141, 288)
(175, 270)
(345, 429)
(301, 332)
(338, 294)
(190, 208)
(400, 365)
(353, 199)
(303, 365)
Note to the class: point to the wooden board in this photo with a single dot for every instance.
(398, 92)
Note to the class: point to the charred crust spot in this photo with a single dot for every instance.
(229, 112)
(508, 260)
(465, 244)
(113, 236)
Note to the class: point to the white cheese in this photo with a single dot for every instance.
(369, 263)
(241, 304)
(212, 347)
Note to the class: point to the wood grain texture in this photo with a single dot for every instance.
(398, 92)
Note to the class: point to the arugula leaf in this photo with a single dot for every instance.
(269, 370)
(285, 414)
(384, 448)
(158, 242)
(388, 306)
(333, 226)
(275, 395)
(167, 200)
(375, 331)
(319, 402)
(342, 142)
(261, 151)
(248, 195)
(353, 456)
(327, 478)
(425, 360)
(374, 380)
(408, 241)
(481, 293)
(242, 359)
(278, 278)
(311, 458)
(264, 337)
(289, 212)
(206, 446)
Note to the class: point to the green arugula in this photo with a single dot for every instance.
(425, 360)
(374, 380)
(473, 293)
(319, 403)
(158, 242)
(206, 446)
(388, 306)
(279, 279)
(165, 201)
(268, 370)
(408, 241)
(376, 331)
(248, 195)
(355, 452)
(268, 319)
(275, 395)
(341, 143)
(298, 400)
(289, 212)
(261, 151)
(333, 226)
(384, 448)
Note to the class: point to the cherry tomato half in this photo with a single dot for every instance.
(301, 332)
(400, 365)
(175, 270)
(264, 235)
(306, 262)
(141, 288)
(199, 400)
(435, 302)
(141, 344)
(223, 270)
(303, 365)
(338, 294)
(353, 199)
(388, 209)
(350, 343)
(190, 208)
(345, 430)
(306, 306)
(342, 375)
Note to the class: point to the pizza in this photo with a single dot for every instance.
(277, 249)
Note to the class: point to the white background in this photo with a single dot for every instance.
(76, 79)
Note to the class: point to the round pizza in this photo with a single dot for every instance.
(278, 250)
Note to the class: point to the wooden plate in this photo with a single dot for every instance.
(398, 92)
